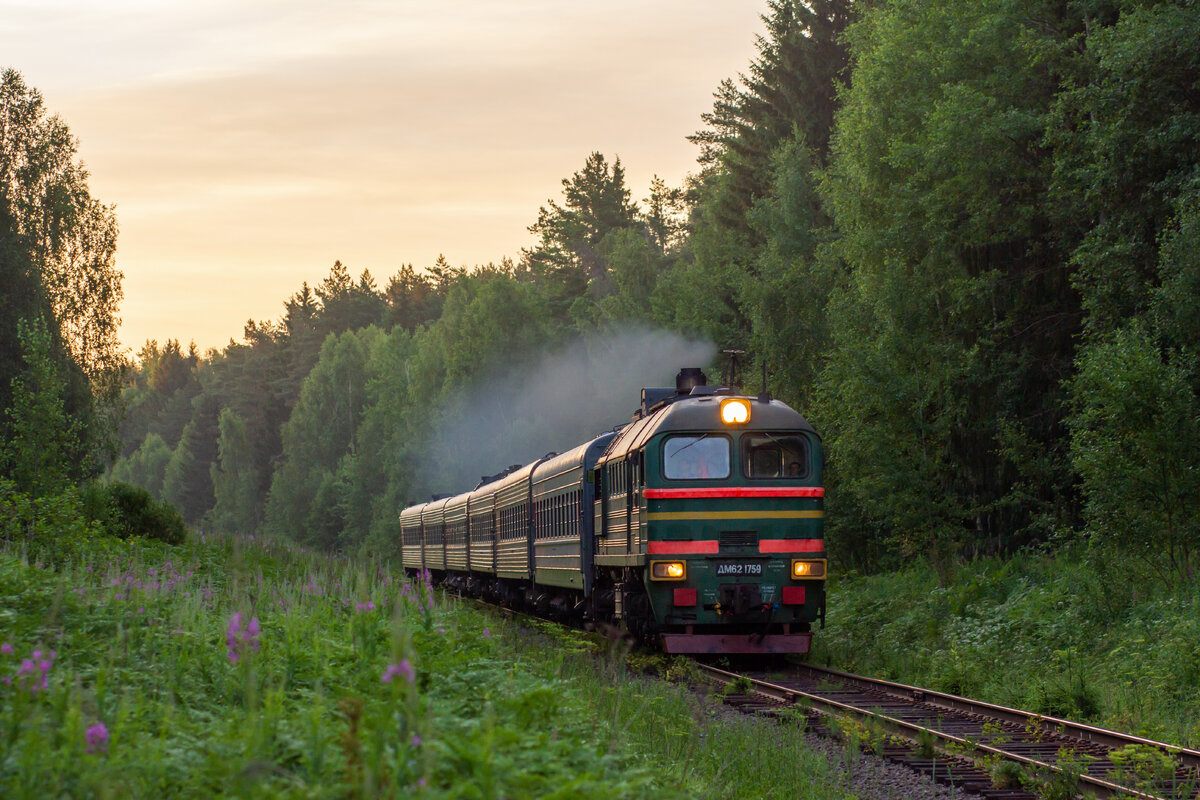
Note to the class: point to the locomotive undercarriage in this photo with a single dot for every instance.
(620, 603)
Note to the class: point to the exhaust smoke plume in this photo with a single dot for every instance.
(564, 398)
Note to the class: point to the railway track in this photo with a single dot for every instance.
(970, 743)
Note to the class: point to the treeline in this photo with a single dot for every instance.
(962, 237)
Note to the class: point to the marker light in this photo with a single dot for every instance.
(735, 412)
(808, 570)
(668, 570)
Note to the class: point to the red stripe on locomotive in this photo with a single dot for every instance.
(734, 491)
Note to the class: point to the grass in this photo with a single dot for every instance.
(1072, 634)
(247, 668)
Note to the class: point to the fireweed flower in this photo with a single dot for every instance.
(34, 672)
(97, 738)
(239, 640)
(6, 649)
(403, 668)
(367, 606)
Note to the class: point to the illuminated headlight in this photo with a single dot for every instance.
(735, 412)
(808, 570)
(668, 570)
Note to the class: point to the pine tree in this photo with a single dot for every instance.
(569, 258)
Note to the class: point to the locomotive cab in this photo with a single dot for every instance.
(715, 535)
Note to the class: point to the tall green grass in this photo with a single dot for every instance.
(1078, 634)
(248, 668)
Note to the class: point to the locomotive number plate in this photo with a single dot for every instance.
(739, 568)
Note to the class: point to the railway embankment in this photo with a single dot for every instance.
(1072, 635)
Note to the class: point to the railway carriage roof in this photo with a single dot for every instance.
(702, 413)
(575, 457)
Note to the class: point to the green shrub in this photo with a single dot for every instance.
(125, 511)
(50, 530)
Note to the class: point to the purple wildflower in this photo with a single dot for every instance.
(97, 738)
(403, 668)
(367, 606)
(35, 671)
(487, 633)
(6, 649)
(238, 639)
(416, 740)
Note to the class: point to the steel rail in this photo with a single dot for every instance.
(1075, 730)
(789, 695)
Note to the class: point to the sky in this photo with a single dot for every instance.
(249, 144)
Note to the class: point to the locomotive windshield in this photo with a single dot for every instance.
(774, 455)
(696, 457)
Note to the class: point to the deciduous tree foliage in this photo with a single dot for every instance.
(40, 437)
(952, 337)
(69, 237)
(57, 281)
(234, 477)
(1134, 445)
(1129, 164)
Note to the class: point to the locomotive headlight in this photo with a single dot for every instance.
(668, 570)
(808, 570)
(735, 412)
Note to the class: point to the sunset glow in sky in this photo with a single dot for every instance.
(247, 145)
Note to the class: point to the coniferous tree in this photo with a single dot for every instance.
(767, 136)
(791, 90)
(569, 257)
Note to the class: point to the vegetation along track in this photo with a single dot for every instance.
(991, 750)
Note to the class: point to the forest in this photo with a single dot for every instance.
(962, 238)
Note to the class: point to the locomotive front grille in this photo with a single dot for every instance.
(738, 539)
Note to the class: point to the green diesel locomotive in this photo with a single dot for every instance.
(697, 527)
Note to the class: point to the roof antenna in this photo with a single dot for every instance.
(764, 396)
(733, 354)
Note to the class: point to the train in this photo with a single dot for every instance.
(697, 527)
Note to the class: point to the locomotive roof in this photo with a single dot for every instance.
(703, 413)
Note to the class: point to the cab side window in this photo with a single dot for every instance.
(774, 455)
(696, 457)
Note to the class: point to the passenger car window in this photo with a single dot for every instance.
(696, 457)
(774, 455)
